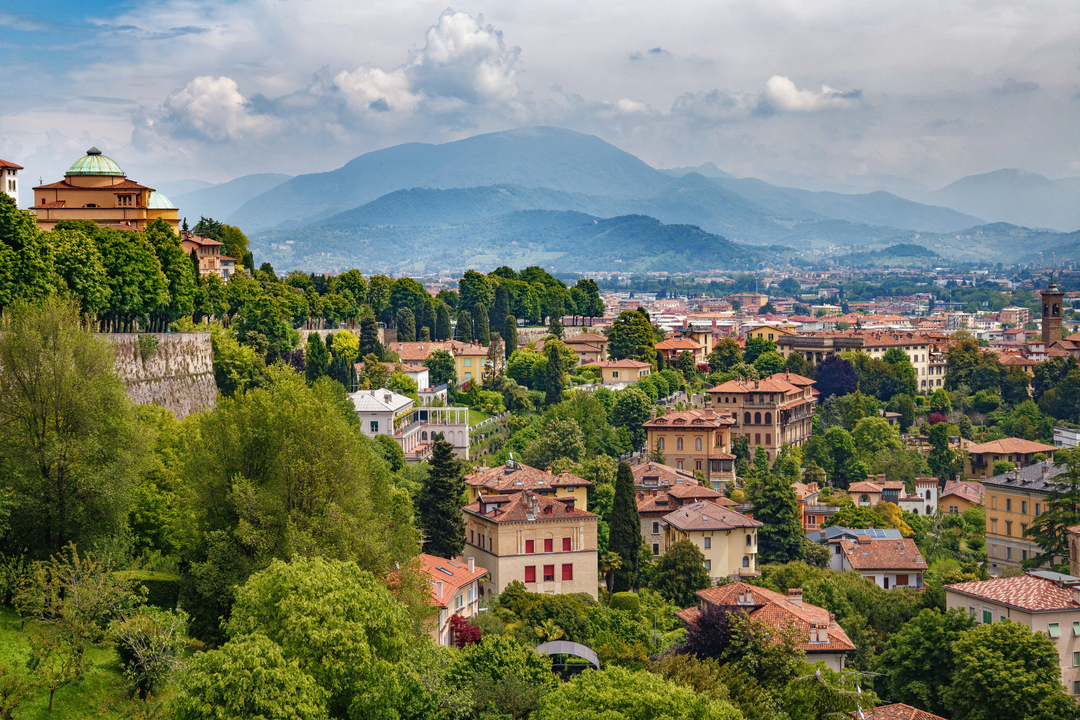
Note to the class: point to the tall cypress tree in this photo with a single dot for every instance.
(499, 310)
(438, 503)
(483, 328)
(442, 322)
(426, 319)
(406, 325)
(510, 335)
(316, 358)
(777, 507)
(556, 373)
(464, 326)
(625, 533)
(369, 337)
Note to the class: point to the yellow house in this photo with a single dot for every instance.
(621, 372)
(695, 440)
(514, 477)
(1013, 500)
(981, 458)
(770, 332)
(545, 543)
(95, 188)
(959, 495)
(727, 539)
(702, 336)
(471, 361)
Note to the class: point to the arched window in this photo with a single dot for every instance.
(424, 436)
(1056, 310)
(927, 494)
(757, 418)
(929, 511)
(697, 444)
(749, 540)
(746, 561)
(768, 418)
(746, 419)
(678, 444)
(864, 499)
(916, 511)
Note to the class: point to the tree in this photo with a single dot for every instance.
(69, 446)
(777, 508)
(1005, 670)
(443, 328)
(480, 319)
(510, 336)
(710, 635)
(725, 354)
(78, 263)
(625, 534)
(316, 358)
(872, 434)
(556, 372)
(796, 364)
(346, 345)
(835, 376)
(561, 440)
(376, 375)
(842, 465)
(150, 643)
(425, 321)
(918, 661)
(137, 286)
(508, 678)
(439, 506)
(500, 308)
(769, 363)
(687, 366)
(825, 693)
(369, 337)
(942, 460)
(905, 406)
(616, 693)
(1061, 511)
(680, 573)
(631, 336)
(176, 267)
(464, 326)
(405, 322)
(475, 288)
(441, 367)
(218, 685)
(631, 411)
(756, 347)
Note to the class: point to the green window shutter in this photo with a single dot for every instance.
(1053, 630)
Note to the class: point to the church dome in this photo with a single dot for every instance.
(158, 201)
(94, 163)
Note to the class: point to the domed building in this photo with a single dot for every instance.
(95, 188)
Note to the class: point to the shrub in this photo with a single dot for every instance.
(162, 589)
(626, 601)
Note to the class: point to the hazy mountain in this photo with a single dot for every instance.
(532, 157)
(1016, 197)
(174, 188)
(707, 169)
(555, 239)
(221, 201)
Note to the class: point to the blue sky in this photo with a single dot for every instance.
(818, 93)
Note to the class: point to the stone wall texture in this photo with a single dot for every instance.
(178, 375)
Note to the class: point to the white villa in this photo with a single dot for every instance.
(384, 412)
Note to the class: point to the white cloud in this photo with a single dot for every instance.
(212, 109)
(781, 95)
(632, 106)
(377, 90)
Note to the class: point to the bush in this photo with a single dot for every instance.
(163, 589)
(149, 644)
(626, 601)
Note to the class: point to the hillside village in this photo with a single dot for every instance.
(777, 492)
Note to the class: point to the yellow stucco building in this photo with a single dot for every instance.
(95, 188)
(727, 539)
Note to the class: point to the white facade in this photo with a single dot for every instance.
(384, 412)
(925, 499)
(1066, 437)
(9, 180)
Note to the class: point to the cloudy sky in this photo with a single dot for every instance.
(834, 90)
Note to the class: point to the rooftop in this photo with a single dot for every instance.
(1010, 445)
(453, 575)
(970, 490)
(1038, 477)
(1026, 592)
(514, 477)
(868, 553)
(6, 164)
(898, 711)
(524, 507)
(94, 163)
(678, 419)
(379, 401)
(707, 515)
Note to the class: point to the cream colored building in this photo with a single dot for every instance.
(695, 441)
(545, 543)
(815, 347)
(455, 590)
(9, 179)
(727, 539)
(514, 477)
(620, 372)
(770, 413)
(1047, 603)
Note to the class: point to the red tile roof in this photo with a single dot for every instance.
(866, 553)
(664, 474)
(5, 163)
(971, 490)
(864, 486)
(524, 507)
(627, 363)
(589, 338)
(898, 711)
(707, 515)
(515, 477)
(1010, 445)
(689, 419)
(776, 611)
(453, 575)
(1026, 592)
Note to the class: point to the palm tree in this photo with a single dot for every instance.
(611, 561)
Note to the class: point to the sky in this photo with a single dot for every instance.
(816, 93)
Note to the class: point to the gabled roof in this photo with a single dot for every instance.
(898, 711)
(690, 419)
(664, 475)
(677, 344)
(970, 490)
(524, 507)
(514, 477)
(867, 553)
(1010, 445)
(776, 611)
(589, 338)
(453, 575)
(864, 486)
(122, 185)
(379, 401)
(707, 515)
(626, 363)
(6, 164)
(1025, 592)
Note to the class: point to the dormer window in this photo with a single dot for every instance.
(547, 510)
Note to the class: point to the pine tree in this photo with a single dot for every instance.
(777, 507)
(406, 325)
(483, 328)
(511, 338)
(442, 322)
(624, 536)
(556, 373)
(316, 358)
(500, 309)
(439, 503)
(464, 326)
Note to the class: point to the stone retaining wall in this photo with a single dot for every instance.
(178, 374)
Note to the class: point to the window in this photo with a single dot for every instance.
(659, 443)
(746, 419)
(1008, 504)
(757, 418)
(768, 438)
(374, 426)
(1038, 510)
(1023, 507)
(708, 564)
(678, 444)
(993, 502)
(530, 573)
(1076, 658)
(459, 602)
(1023, 554)
(615, 373)
(1008, 528)
(566, 544)
(697, 465)
(678, 464)
(708, 543)
(481, 542)
(757, 438)
(568, 571)
(1053, 630)
(1008, 553)
(655, 549)
(468, 362)
(768, 418)
(549, 573)
(697, 445)
(549, 545)
(1076, 628)
(530, 547)
(988, 617)
(1076, 687)
(750, 541)
(746, 561)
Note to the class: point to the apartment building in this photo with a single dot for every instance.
(727, 539)
(1013, 500)
(695, 440)
(514, 477)
(455, 590)
(770, 413)
(815, 347)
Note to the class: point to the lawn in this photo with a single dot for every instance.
(102, 692)
(476, 417)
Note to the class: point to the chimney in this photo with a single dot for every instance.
(438, 588)
(821, 534)
(794, 596)
(472, 565)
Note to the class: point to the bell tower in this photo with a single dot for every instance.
(1051, 313)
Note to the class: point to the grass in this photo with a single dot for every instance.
(102, 692)
(476, 417)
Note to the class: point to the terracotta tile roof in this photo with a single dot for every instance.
(505, 479)
(864, 486)
(524, 507)
(413, 352)
(199, 240)
(1010, 445)
(617, 364)
(868, 553)
(49, 205)
(777, 611)
(970, 490)
(122, 185)
(707, 515)
(453, 575)
(689, 419)
(664, 475)
(686, 491)
(677, 344)
(585, 338)
(660, 503)
(5, 163)
(898, 711)
(1026, 592)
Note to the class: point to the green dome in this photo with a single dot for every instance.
(94, 163)
(158, 201)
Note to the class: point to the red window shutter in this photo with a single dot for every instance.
(530, 573)
(530, 546)
(549, 573)
(566, 544)
(549, 545)
(568, 571)
(768, 438)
